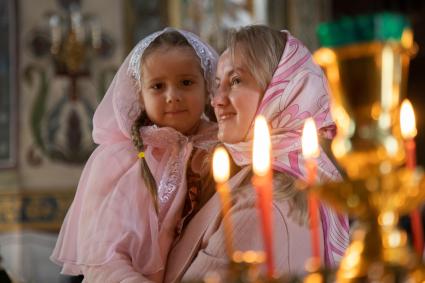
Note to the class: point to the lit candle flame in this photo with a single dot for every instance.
(310, 144)
(261, 147)
(408, 131)
(221, 165)
(407, 120)
(310, 148)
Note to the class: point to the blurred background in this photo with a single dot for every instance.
(57, 58)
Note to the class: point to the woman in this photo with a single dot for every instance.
(271, 73)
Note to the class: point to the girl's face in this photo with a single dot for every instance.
(236, 99)
(173, 88)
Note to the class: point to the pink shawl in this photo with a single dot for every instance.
(298, 90)
(112, 212)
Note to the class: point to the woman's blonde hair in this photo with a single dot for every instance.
(261, 47)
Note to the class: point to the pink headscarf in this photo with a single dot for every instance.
(298, 90)
(112, 212)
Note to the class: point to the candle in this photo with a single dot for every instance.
(96, 34)
(408, 131)
(263, 184)
(221, 175)
(55, 33)
(77, 23)
(310, 149)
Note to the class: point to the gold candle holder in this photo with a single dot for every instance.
(245, 266)
(367, 81)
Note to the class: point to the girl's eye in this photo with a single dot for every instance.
(235, 81)
(187, 82)
(157, 86)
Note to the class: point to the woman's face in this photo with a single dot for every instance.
(236, 99)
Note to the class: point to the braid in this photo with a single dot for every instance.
(167, 39)
(145, 171)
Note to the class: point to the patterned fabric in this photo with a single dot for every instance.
(192, 201)
(112, 214)
(298, 90)
(199, 191)
(193, 192)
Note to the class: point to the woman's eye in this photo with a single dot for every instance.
(235, 81)
(187, 82)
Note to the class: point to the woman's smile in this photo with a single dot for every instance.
(225, 116)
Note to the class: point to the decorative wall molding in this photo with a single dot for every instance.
(35, 210)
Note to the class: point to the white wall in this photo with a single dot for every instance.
(25, 257)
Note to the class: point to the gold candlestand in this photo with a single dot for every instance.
(367, 81)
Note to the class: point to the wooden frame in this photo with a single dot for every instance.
(142, 18)
(8, 88)
(212, 19)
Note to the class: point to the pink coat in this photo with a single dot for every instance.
(201, 248)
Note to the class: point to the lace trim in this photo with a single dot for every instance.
(171, 179)
(173, 175)
(138, 50)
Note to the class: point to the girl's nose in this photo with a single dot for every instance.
(173, 95)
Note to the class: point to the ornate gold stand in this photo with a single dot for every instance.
(367, 82)
(376, 202)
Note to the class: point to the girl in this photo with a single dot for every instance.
(131, 198)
